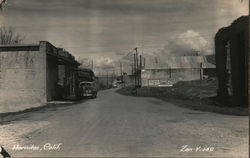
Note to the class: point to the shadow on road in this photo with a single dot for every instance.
(6, 118)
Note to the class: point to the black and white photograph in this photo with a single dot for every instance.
(124, 78)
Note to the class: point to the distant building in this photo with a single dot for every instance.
(232, 49)
(32, 75)
(175, 69)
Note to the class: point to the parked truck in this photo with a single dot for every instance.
(86, 83)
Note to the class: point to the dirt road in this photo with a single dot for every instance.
(114, 125)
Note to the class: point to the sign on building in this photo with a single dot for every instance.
(153, 82)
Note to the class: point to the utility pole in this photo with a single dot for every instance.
(137, 66)
(112, 78)
(132, 68)
(170, 75)
(142, 48)
(122, 79)
(92, 65)
(144, 62)
(201, 72)
(121, 68)
(140, 71)
(107, 79)
(135, 69)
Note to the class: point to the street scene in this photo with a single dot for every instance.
(120, 78)
(110, 126)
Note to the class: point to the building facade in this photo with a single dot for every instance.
(231, 49)
(175, 69)
(30, 76)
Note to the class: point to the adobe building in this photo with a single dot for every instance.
(231, 50)
(32, 75)
(174, 69)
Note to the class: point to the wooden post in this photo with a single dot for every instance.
(201, 72)
(92, 65)
(140, 71)
(135, 69)
(121, 68)
(107, 79)
(144, 62)
(170, 76)
(132, 68)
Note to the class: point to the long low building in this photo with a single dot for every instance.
(175, 69)
(32, 75)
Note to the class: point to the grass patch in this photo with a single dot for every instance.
(195, 95)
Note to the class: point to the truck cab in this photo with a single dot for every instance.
(88, 89)
(86, 82)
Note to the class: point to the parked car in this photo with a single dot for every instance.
(88, 89)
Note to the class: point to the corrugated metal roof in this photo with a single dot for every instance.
(177, 62)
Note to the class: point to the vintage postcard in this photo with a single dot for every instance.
(124, 78)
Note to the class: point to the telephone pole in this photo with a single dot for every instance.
(121, 68)
(132, 68)
(135, 69)
(139, 73)
(107, 79)
(144, 62)
(92, 65)
(122, 79)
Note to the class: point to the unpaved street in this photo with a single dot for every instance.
(123, 126)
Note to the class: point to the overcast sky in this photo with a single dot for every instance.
(112, 28)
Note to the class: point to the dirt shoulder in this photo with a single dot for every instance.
(195, 95)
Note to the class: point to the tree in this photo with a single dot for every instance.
(1, 4)
(10, 36)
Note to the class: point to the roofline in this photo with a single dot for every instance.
(19, 45)
(36, 47)
(178, 68)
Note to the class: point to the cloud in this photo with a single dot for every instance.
(85, 62)
(187, 43)
(101, 64)
(106, 27)
(104, 62)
